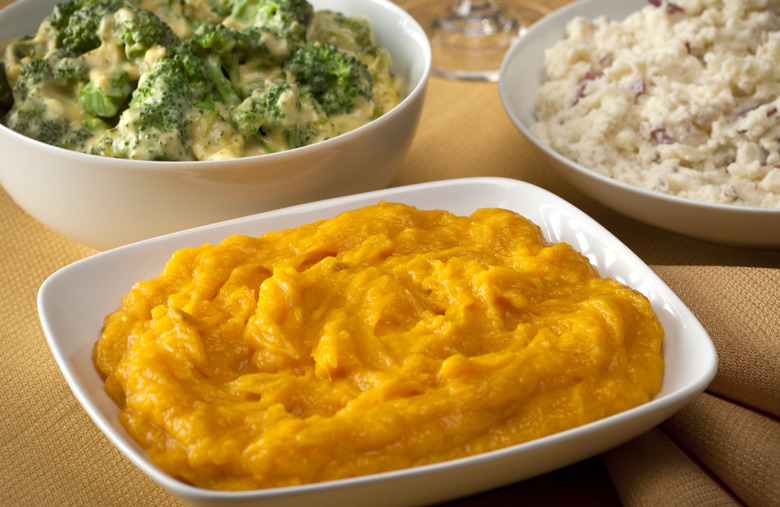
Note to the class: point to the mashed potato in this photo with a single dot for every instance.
(384, 338)
(681, 98)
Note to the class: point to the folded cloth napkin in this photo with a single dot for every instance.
(724, 448)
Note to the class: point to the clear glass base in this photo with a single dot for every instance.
(469, 39)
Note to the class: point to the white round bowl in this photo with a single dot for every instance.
(103, 202)
(520, 78)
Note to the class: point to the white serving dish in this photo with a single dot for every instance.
(103, 202)
(520, 78)
(73, 302)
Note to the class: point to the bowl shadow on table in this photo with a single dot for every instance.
(584, 484)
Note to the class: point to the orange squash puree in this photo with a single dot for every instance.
(383, 338)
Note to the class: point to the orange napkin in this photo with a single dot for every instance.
(724, 448)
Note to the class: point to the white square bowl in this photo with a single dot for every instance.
(73, 302)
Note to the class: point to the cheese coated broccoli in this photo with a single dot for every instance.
(195, 80)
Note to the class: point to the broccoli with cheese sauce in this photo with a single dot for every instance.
(154, 126)
(289, 19)
(277, 114)
(233, 57)
(334, 78)
(195, 80)
(41, 93)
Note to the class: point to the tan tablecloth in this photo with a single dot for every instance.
(722, 449)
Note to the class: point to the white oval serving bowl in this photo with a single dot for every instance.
(103, 202)
(73, 302)
(521, 76)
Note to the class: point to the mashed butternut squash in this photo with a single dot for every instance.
(383, 338)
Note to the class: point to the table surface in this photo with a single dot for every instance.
(52, 452)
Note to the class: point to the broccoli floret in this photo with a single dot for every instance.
(359, 28)
(104, 99)
(20, 51)
(30, 119)
(59, 70)
(77, 23)
(29, 79)
(310, 132)
(218, 48)
(225, 50)
(334, 78)
(29, 114)
(214, 138)
(76, 26)
(179, 80)
(69, 71)
(353, 34)
(154, 126)
(38, 107)
(90, 127)
(140, 29)
(271, 105)
(276, 108)
(225, 7)
(287, 18)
